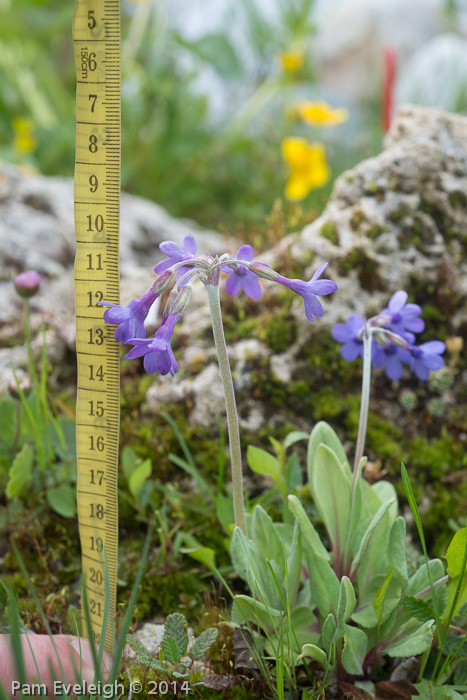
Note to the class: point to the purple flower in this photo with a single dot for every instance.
(391, 357)
(403, 316)
(27, 283)
(426, 357)
(348, 333)
(309, 290)
(158, 355)
(130, 318)
(241, 277)
(177, 254)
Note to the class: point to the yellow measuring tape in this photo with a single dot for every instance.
(96, 37)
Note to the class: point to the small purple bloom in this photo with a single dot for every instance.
(309, 290)
(426, 357)
(27, 283)
(158, 355)
(348, 333)
(177, 254)
(241, 277)
(391, 357)
(403, 316)
(130, 318)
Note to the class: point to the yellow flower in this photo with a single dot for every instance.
(320, 113)
(308, 167)
(292, 60)
(24, 141)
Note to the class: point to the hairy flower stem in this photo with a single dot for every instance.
(365, 401)
(230, 405)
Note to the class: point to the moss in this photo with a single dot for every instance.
(278, 331)
(358, 217)
(329, 230)
(457, 199)
(375, 231)
(367, 269)
(396, 216)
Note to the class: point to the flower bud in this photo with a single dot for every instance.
(27, 283)
(262, 270)
(181, 301)
(162, 282)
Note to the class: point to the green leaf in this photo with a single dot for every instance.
(19, 477)
(324, 584)
(313, 652)
(380, 597)
(369, 533)
(309, 533)
(203, 643)
(414, 643)
(331, 493)
(262, 462)
(171, 650)
(176, 627)
(264, 535)
(294, 566)
(457, 586)
(428, 691)
(345, 606)
(323, 434)
(195, 550)
(225, 512)
(328, 631)
(144, 656)
(421, 580)
(419, 609)
(397, 556)
(293, 437)
(354, 651)
(293, 474)
(62, 500)
(128, 460)
(138, 478)
(251, 563)
(246, 609)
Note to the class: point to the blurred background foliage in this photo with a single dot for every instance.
(221, 164)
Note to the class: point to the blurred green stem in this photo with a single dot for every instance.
(255, 104)
(230, 405)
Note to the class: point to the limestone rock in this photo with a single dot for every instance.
(37, 231)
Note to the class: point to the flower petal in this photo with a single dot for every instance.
(189, 244)
(342, 333)
(393, 367)
(398, 300)
(351, 350)
(233, 285)
(245, 252)
(251, 286)
(323, 287)
(171, 249)
(313, 307)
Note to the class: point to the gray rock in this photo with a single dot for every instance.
(37, 231)
(396, 221)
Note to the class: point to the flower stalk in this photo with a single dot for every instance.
(230, 406)
(365, 401)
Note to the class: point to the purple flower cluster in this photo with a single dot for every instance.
(392, 336)
(183, 265)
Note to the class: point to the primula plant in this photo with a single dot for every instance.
(342, 603)
(183, 268)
